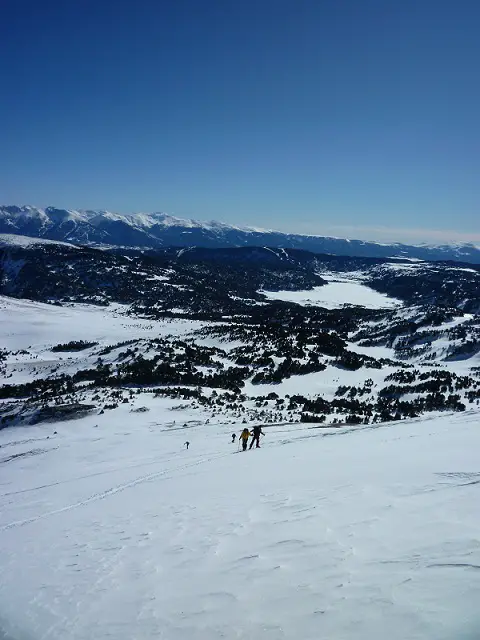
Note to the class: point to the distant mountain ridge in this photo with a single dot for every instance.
(159, 230)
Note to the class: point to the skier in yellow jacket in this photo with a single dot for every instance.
(244, 436)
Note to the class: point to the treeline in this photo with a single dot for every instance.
(74, 345)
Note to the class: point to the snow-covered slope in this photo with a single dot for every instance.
(14, 240)
(110, 528)
(154, 230)
(353, 520)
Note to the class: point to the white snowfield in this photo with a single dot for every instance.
(335, 294)
(12, 239)
(112, 529)
(27, 323)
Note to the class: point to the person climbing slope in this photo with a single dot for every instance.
(257, 432)
(244, 436)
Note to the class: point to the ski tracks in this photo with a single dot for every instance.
(165, 474)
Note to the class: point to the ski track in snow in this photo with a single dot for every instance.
(370, 534)
(104, 494)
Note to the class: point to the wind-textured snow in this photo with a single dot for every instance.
(111, 529)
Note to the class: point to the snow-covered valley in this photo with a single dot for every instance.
(105, 356)
(357, 517)
(335, 295)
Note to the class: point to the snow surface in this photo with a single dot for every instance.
(111, 529)
(335, 294)
(24, 323)
(412, 265)
(324, 383)
(12, 239)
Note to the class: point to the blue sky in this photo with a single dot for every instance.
(349, 117)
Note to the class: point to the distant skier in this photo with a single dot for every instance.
(257, 432)
(234, 436)
(244, 436)
(187, 444)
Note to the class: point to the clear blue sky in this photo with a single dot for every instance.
(354, 116)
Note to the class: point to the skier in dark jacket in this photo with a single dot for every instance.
(257, 432)
(234, 436)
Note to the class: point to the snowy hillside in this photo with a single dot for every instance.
(356, 518)
(156, 230)
(110, 528)
(13, 240)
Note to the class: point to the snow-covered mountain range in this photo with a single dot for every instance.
(155, 230)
